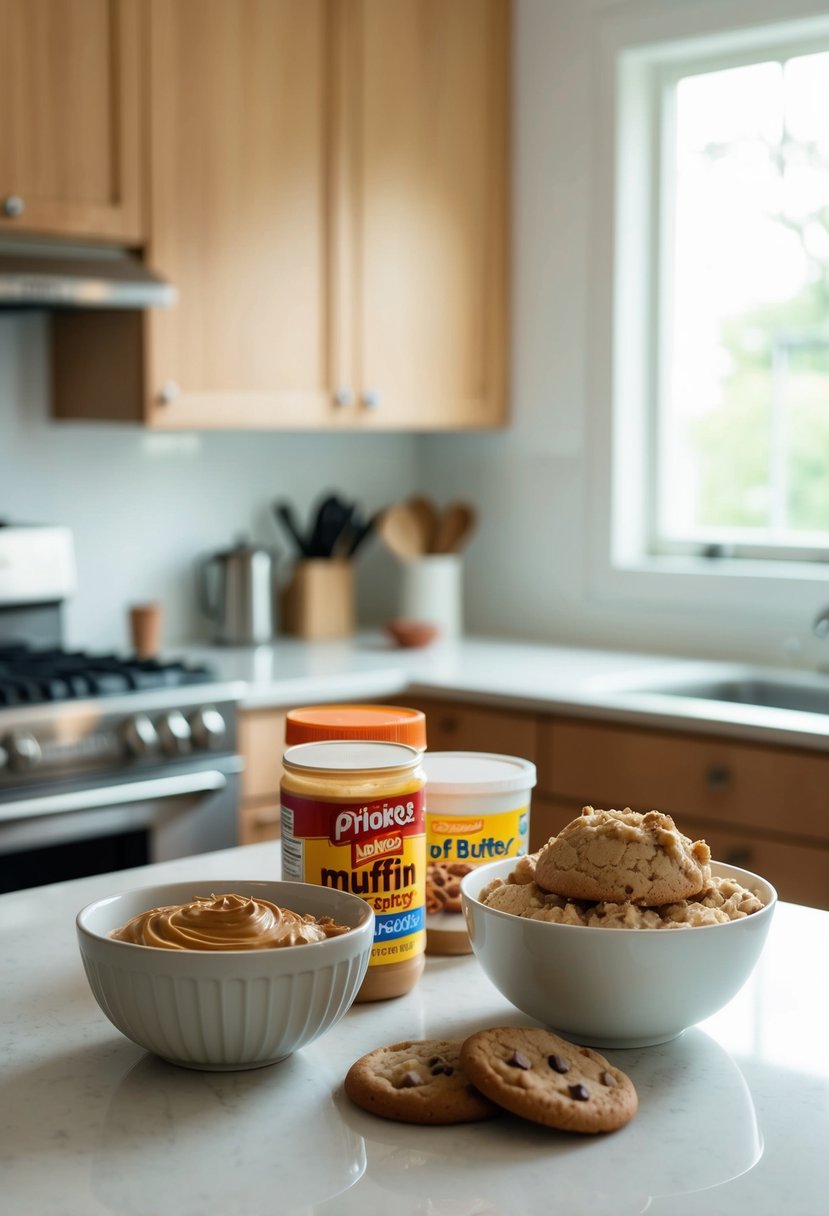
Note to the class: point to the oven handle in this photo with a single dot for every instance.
(204, 782)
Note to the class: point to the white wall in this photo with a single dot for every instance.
(144, 507)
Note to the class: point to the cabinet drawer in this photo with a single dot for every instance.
(800, 873)
(259, 822)
(261, 742)
(453, 726)
(713, 780)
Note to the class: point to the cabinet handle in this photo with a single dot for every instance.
(13, 205)
(343, 397)
(371, 399)
(718, 777)
(448, 725)
(168, 392)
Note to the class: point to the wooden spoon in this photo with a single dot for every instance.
(456, 525)
(399, 529)
(428, 517)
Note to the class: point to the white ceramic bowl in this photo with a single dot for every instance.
(227, 1009)
(615, 987)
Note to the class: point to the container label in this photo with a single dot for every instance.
(456, 845)
(375, 850)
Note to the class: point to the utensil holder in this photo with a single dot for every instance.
(431, 590)
(318, 602)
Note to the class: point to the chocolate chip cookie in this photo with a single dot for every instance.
(417, 1081)
(624, 857)
(541, 1077)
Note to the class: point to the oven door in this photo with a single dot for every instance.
(51, 835)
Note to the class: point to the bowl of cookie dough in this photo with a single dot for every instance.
(225, 975)
(614, 973)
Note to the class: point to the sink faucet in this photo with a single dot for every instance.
(820, 625)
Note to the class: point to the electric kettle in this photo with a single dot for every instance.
(236, 592)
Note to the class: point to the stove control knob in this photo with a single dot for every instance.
(23, 749)
(140, 735)
(174, 732)
(209, 728)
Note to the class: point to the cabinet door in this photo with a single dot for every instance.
(238, 101)
(69, 96)
(422, 201)
(453, 726)
(717, 780)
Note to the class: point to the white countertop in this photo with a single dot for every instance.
(733, 1116)
(521, 675)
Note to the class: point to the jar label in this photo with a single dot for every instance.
(375, 850)
(457, 844)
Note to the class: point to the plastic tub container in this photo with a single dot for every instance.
(477, 811)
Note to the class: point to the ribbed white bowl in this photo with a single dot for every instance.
(615, 987)
(229, 1009)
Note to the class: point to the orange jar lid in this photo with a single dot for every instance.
(384, 723)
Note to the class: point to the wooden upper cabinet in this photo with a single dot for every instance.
(422, 186)
(327, 189)
(70, 100)
(238, 143)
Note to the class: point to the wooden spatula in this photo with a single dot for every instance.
(456, 525)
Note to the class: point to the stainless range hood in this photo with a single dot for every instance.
(52, 275)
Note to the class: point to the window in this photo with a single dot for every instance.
(739, 327)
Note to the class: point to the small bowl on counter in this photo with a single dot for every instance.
(412, 634)
(232, 1009)
(615, 987)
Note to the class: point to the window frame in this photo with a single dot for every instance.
(623, 581)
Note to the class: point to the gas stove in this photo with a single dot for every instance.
(29, 676)
(106, 760)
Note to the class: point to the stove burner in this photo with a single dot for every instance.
(32, 677)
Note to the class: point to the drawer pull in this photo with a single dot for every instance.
(718, 777)
(448, 725)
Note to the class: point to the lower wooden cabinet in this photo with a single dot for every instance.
(261, 743)
(759, 807)
(762, 808)
(454, 726)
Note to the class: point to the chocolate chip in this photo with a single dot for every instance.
(435, 1060)
(519, 1060)
(609, 1080)
(410, 1079)
(442, 1070)
(579, 1093)
(557, 1063)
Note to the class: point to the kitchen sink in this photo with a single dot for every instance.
(771, 694)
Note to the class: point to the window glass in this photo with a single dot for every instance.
(743, 380)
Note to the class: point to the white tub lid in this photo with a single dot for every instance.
(477, 773)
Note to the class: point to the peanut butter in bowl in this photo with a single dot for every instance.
(226, 922)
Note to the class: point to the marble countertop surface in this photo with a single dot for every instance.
(733, 1116)
(612, 685)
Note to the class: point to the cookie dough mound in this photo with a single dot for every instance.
(624, 857)
(417, 1081)
(539, 1076)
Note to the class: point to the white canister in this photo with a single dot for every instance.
(431, 590)
(477, 811)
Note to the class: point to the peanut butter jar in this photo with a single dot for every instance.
(353, 818)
